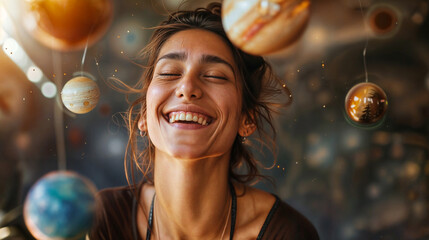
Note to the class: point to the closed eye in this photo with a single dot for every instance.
(168, 75)
(215, 77)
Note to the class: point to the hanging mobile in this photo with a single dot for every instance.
(61, 204)
(366, 103)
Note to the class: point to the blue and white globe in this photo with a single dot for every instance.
(60, 205)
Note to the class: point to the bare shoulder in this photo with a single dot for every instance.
(145, 200)
(261, 215)
(146, 194)
(254, 199)
(253, 207)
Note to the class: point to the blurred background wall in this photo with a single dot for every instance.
(352, 182)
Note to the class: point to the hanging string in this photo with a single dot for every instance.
(58, 114)
(84, 57)
(366, 42)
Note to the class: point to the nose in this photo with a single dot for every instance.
(188, 88)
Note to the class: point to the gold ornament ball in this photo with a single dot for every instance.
(67, 25)
(80, 95)
(366, 103)
(262, 27)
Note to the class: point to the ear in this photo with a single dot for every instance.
(142, 123)
(247, 126)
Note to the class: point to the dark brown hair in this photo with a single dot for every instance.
(260, 88)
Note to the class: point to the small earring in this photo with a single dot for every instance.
(243, 139)
(142, 133)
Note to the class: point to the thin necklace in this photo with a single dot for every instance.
(232, 211)
(227, 218)
(224, 227)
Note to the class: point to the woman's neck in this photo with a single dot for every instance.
(192, 197)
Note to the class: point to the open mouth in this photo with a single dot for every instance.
(188, 118)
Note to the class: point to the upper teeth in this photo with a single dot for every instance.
(189, 117)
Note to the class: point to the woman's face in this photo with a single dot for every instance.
(194, 98)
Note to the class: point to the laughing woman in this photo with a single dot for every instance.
(201, 97)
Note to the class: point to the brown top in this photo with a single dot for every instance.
(117, 210)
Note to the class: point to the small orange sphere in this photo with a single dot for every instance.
(68, 24)
(366, 103)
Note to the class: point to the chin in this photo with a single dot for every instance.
(186, 154)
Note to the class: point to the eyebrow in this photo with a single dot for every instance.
(206, 58)
(216, 59)
(181, 56)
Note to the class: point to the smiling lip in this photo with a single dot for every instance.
(188, 117)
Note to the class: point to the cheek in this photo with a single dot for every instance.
(150, 102)
(154, 100)
(231, 101)
(156, 88)
(153, 92)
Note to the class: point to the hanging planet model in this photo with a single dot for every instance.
(60, 206)
(366, 103)
(262, 27)
(80, 95)
(67, 25)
